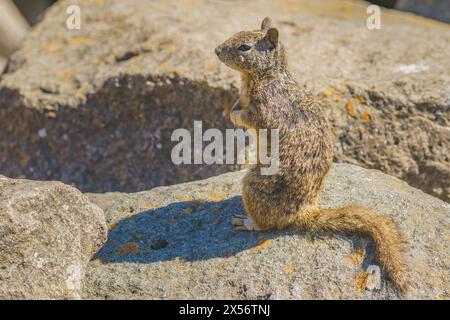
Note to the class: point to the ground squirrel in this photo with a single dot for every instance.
(271, 99)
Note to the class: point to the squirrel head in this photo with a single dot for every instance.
(254, 52)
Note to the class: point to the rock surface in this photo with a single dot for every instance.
(177, 242)
(2, 63)
(48, 233)
(96, 107)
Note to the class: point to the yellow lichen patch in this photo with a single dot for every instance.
(98, 260)
(129, 248)
(112, 225)
(289, 269)
(365, 116)
(361, 280)
(150, 206)
(262, 244)
(181, 262)
(347, 10)
(360, 99)
(89, 248)
(50, 47)
(77, 41)
(184, 198)
(357, 256)
(65, 74)
(329, 91)
(216, 196)
(351, 111)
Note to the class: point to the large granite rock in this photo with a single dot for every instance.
(48, 233)
(177, 242)
(95, 107)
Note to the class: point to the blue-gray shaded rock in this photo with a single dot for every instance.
(436, 9)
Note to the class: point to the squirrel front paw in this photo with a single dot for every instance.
(244, 223)
(241, 118)
(235, 117)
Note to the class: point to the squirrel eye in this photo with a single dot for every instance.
(244, 47)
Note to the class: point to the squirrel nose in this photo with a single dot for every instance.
(217, 51)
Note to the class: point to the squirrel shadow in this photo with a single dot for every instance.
(192, 231)
(185, 230)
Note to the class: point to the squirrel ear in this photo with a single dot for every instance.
(272, 36)
(266, 24)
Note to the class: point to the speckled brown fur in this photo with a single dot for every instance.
(271, 99)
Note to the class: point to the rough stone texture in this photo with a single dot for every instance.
(2, 63)
(48, 233)
(436, 9)
(178, 242)
(95, 107)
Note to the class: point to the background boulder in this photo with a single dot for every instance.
(436, 9)
(48, 232)
(95, 107)
(177, 242)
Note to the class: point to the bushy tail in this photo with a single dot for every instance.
(385, 234)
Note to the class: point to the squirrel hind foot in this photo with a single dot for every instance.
(243, 223)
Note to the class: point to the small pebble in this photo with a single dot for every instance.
(42, 133)
(159, 244)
